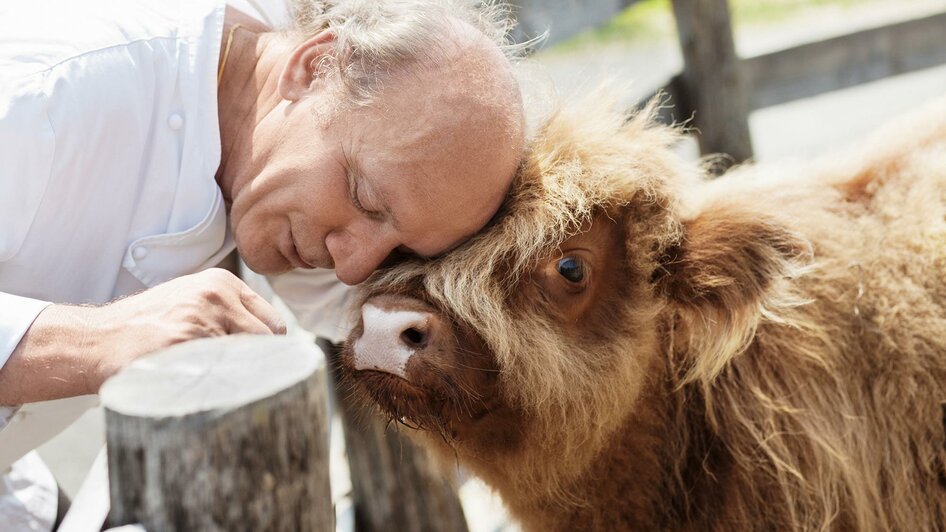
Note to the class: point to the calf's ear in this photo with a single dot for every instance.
(732, 269)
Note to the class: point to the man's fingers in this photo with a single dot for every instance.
(242, 321)
(262, 311)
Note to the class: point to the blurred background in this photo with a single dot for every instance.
(876, 76)
(592, 40)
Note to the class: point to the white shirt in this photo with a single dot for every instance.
(109, 143)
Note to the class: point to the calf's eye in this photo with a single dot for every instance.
(571, 269)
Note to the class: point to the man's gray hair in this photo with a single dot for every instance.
(375, 37)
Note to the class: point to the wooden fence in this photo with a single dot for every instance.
(717, 89)
(231, 433)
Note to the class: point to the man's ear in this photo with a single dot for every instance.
(305, 64)
(732, 269)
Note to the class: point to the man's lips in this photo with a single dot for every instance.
(295, 258)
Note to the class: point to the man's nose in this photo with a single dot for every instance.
(355, 262)
(391, 336)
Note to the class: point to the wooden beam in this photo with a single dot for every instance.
(674, 108)
(228, 433)
(395, 484)
(91, 504)
(712, 80)
(845, 61)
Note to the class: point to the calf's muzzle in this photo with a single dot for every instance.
(393, 331)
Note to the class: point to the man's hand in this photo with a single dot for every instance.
(71, 350)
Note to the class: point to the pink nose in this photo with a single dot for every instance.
(390, 339)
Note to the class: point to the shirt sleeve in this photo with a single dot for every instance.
(27, 148)
(16, 315)
(320, 303)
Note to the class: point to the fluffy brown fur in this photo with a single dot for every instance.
(763, 351)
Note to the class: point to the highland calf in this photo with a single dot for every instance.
(630, 346)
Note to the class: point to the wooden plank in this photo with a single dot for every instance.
(674, 108)
(91, 504)
(34, 424)
(395, 484)
(227, 433)
(845, 61)
(711, 79)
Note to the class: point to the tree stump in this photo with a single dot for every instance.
(395, 484)
(712, 80)
(223, 434)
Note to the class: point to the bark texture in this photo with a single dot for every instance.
(221, 434)
(395, 484)
(712, 79)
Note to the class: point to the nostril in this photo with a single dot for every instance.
(414, 337)
(391, 336)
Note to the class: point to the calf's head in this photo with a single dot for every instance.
(597, 285)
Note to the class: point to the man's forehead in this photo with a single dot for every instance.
(467, 94)
(457, 217)
(441, 157)
(417, 132)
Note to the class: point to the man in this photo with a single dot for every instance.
(141, 140)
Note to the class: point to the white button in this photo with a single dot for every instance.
(175, 121)
(139, 253)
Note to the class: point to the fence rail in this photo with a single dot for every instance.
(845, 61)
(717, 89)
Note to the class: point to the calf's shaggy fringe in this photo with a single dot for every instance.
(778, 360)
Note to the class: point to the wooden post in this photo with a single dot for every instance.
(711, 78)
(395, 484)
(221, 434)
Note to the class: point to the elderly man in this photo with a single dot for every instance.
(142, 140)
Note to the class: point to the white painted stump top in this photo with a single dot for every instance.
(221, 373)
